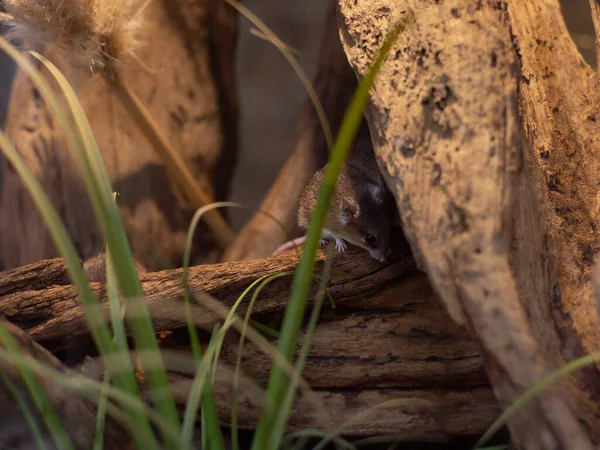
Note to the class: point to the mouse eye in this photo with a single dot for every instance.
(370, 239)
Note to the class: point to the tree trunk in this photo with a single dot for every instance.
(484, 124)
(187, 83)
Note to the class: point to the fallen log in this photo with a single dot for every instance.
(387, 340)
(396, 337)
(415, 414)
(55, 313)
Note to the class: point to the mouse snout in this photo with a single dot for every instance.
(379, 255)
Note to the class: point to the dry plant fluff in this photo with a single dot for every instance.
(90, 33)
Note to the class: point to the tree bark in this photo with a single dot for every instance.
(334, 83)
(188, 85)
(387, 340)
(483, 120)
(425, 415)
(55, 314)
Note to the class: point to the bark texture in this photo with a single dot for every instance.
(484, 123)
(388, 343)
(54, 313)
(187, 82)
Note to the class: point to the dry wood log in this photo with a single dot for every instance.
(31, 277)
(415, 414)
(77, 414)
(503, 226)
(187, 83)
(397, 337)
(55, 314)
(387, 339)
(334, 83)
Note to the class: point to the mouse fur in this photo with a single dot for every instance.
(357, 213)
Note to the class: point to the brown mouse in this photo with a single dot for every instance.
(358, 213)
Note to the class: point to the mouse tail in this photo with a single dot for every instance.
(298, 242)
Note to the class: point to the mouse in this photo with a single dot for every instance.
(359, 213)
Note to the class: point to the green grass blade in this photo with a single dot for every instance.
(119, 339)
(195, 341)
(210, 419)
(285, 51)
(24, 407)
(116, 308)
(39, 397)
(268, 331)
(535, 390)
(210, 416)
(94, 316)
(230, 316)
(209, 401)
(101, 413)
(90, 163)
(309, 432)
(295, 309)
(214, 438)
(92, 390)
(218, 342)
(236, 379)
(286, 406)
(191, 407)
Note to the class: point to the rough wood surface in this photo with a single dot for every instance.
(334, 83)
(503, 226)
(414, 414)
(187, 82)
(557, 196)
(387, 340)
(387, 328)
(55, 314)
(77, 415)
(396, 337)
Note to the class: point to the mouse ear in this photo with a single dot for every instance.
(377, 192)
(350, 210)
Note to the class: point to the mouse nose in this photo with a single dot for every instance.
(378, 255)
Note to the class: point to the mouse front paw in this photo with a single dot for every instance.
(323, 242)
(340, 245)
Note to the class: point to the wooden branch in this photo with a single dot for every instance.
(36, 276)
(181, 81)
(334, 83)
(445, 109)
(55, 314)
(77, 415)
